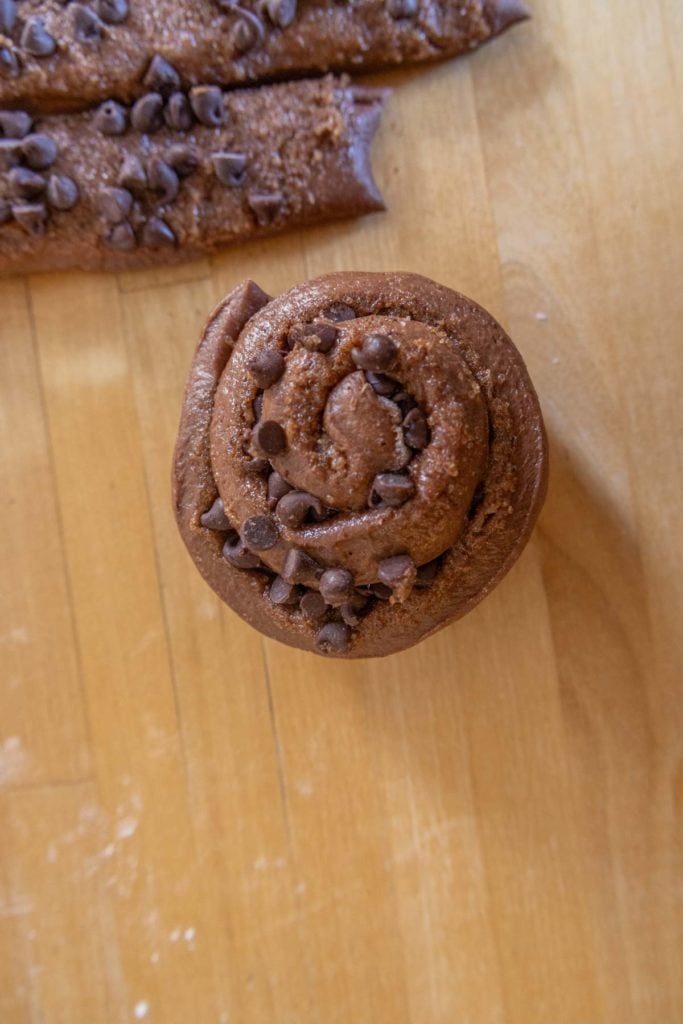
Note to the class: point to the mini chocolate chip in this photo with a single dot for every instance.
(178, 113)
(161, 75)
(146, 113)
(281, 12)
(36, 39)
(110, 118)
(405, 402)
(352, 611)
(333, 638)
(14, 124)
(86, 24)
(339, 312)
(282, 592)
(39, 150)
(121, 237)
(183, 160)
(31, 217)
(215, 517)
(5, 211)
(25, 184)
(318, 337)
(114, 204)
(260, 533)
(10, 153)
(277, 488)
(267, 367)
(162, 178)
(8, 15)
(9, 65)
(257, 406)
(349, 615)
(113, 12)
(207, 104)
(398, 572)
(229, 167)
(320, 513)
(238, 555)
(415, 430)
(382, 384)
(402, 8)
(393, 488)
(312, 605)
(336, 586)
(132, 174)
(300, 567)
(426, 574)
(256, 466)
(247, 32)
(294, 507)
(157, 234)
(378, 352)
(137, 217)
(265, 206)
(270, 437)
(62, 192)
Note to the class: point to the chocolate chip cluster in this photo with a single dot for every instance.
(249, 27)
(127, 208)
(28, 37)
(164, 103)
(125, 218)
(30, 188)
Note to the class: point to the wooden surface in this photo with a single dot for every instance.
(201, 827)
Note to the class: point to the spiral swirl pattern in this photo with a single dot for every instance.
(359, 460)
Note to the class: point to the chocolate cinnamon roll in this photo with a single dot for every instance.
(359, 460)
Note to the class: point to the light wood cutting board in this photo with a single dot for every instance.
(198, 826)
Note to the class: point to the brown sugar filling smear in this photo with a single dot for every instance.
(359, 460)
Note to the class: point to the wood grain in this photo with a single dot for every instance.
(200, 825)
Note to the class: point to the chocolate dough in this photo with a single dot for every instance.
(64, 56)
(178, 175)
